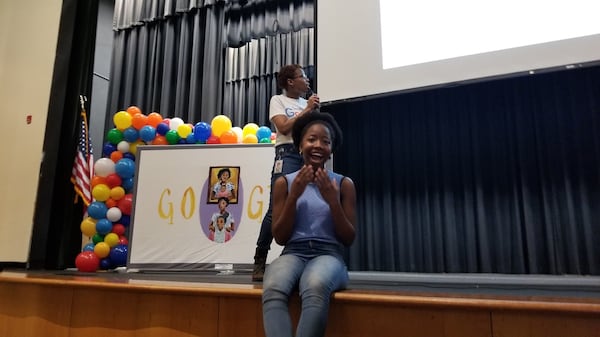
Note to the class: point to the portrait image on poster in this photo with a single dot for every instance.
(224, 182)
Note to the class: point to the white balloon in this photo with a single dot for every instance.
(103, 167)
(114, 214)
(175, 123)
(238, 132)
(123, 146)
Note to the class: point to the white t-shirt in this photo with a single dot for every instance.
(289, 107)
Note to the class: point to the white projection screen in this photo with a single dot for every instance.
(375, 47)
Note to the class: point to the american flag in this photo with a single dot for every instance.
(83, 167)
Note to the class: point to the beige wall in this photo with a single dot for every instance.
(28, 37)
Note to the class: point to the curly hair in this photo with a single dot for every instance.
(285, 73)
(223, 170)
(303, 122)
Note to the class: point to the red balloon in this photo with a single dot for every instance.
(87, 262)
(213, 140)
(113, 180)
(118, 229)
(125, 204)
(123, 240)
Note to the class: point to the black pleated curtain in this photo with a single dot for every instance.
(56, 237)
(168, 58)
(199, 59)
(493, 177)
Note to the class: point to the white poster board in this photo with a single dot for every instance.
(173, 208)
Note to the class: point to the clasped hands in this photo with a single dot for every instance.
(328, 187)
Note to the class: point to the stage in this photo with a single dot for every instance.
(212, 303)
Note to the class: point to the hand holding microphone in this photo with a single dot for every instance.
(313, 100)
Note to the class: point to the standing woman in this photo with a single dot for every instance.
(283, 110)
(314, 216)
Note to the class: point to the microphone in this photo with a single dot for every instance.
(309, 93)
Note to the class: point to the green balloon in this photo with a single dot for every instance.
(97, 238)
(265, 140)
(114, 136)
(172, 137)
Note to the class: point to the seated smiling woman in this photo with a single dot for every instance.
(314, 215)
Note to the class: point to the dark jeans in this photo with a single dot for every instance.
(292, 162)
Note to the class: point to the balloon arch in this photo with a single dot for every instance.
(108, 215)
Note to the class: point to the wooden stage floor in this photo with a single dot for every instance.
(208, 303)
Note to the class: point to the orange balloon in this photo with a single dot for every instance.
(134, 110)
(139, 121)
(115, 156)
(110, 203)
(159, 140)
(154, 119)
(97, 180)
(228, 137)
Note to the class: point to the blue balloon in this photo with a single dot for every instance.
(106, 263)
(147, 133)
(125, 168)
(97, 210)
(88, 247)
(129, 155)
(202, 131)
(127, 184)
(263, 132)
(191, 138)
(103, 226)
(118, 255)
(162, 129)
(131, 134)
(108, 149)
(125, 220)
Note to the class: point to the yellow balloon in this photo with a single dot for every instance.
(249, 129)
(133, 146)
(101, 192)
(122, 120)
(88, 226)
(111, 239)
(184, 130)
(102, 249)
(250, 139)
(117, 193)
(220, 124)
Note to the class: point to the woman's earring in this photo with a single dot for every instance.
(300, 152)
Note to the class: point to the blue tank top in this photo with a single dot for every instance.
(313, 216)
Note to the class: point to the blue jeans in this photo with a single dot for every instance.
(316, 269)
(292, 162)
